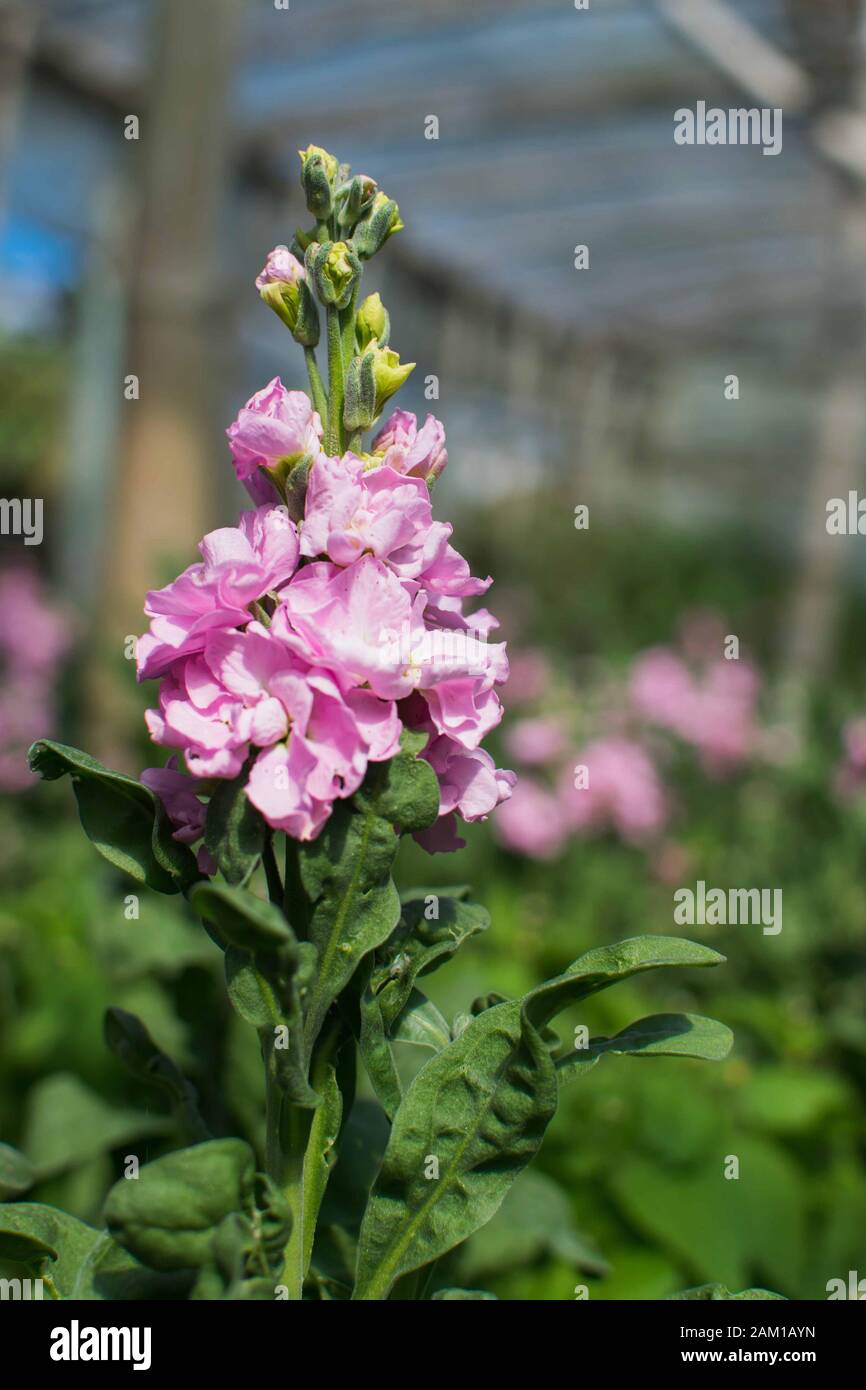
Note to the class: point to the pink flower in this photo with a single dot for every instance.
(532, 821)
(623, 791)
(417, 453)
(281, 267)
(179, 795)
(529, 677)
(536, 741)
(274, 426)
(35, 635)
(350, 513)
(662, 689)
(240, 565)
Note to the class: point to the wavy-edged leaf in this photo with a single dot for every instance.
(660, 1035)
(350, 904)
(421, 1024)
(67, 1125)
(168, 1215)
(419, 945)
(75, 1260)
(475, 1115)
(122, 818)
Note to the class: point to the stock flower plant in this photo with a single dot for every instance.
(325, 689)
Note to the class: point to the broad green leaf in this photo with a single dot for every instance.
(419, 945)
(168, 1215)
(660, 1035)
(76, 1261)
(131, 1043)
(122, 818)
(535, 1220)
(266, 971)
(16, 1172)
(476, 1114)
(234, 831)
(241, 918)
(421, 1024)
(68, 1124)
(715, 1292)
(321, 1153)
(350, 904)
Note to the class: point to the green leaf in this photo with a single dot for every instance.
(122, 818)
(75, 1261)
(266, 971)
(16, 1172)
(68, 1124)
(350, 904)
(131, 1043)
(234, 831)
(422, 1024)
(419, 945)
(534, 1221)
(714, 1292)
(660, 1035)
(476, 1114)
(168, 1215)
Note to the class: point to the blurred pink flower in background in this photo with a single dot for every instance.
(623, 792)
(850, 774)
(536, 742)
(35, 636)
(531, 821)
(712, 708)
(529, 676)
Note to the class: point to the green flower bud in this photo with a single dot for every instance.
(319, 170)
(306, 329)
(373, 323)
(353, 200)
(359, 407)
(389, 374)
(381, 220)
(334, 269)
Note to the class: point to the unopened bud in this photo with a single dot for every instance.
(359, 408)
(334, 269)
(389, 374)
(353, 200)
(319, 170)
(373, 323)
(381, 220)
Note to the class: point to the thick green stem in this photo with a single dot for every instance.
(288, 1131)
(336, 383)
(317, 386)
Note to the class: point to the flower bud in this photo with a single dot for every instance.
(373, 323)
(359, 407)
(306, 329)
(353, 200)
(389, 373)
(381, 220)
(334, 269)
(279, 284)
(318, 173)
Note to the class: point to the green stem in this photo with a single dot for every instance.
(317, 386)
(272, 874)
(336, 383)
(355, 441)
(287, 1131)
